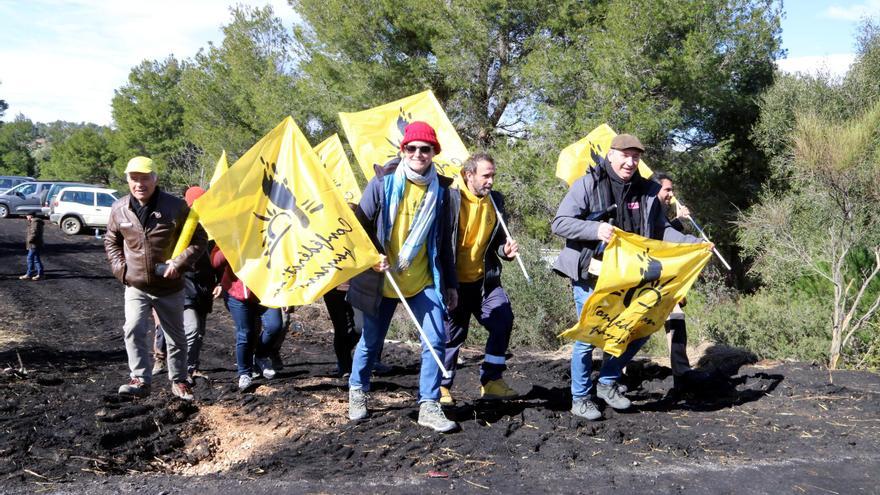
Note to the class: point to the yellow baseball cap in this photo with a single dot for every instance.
(140, 164)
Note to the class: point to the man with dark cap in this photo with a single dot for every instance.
(404, 210)
(141, 235)
(613, 181)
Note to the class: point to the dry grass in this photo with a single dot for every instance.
(237, 437)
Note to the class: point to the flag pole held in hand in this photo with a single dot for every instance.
(507, 233)
(415, 320)
(704, 236)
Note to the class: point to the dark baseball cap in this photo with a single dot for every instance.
(625, 142)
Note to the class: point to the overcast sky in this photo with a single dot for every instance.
(61, 60)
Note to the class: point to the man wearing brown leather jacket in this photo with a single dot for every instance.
(141, 235)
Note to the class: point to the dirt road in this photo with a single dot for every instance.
(777, 428)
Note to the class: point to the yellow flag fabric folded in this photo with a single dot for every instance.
(640, 283)
(332, 155)
(375, 134)
(577, 158)
(282, 224)
(221, 168)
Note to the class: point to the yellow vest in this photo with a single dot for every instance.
(476, 221)
(418, 276)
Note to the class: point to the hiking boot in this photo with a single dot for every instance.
(357, 404)
(265, 366)
(182, 390)
(24, 277)
(135, 388)
(381, 368)
(431, 415)
(244, 382)
(585, 408)
(612, 396)
(159, 366)
(446, 397)
(497, 390)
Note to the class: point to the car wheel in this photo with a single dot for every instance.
(71, 226)
(4, 211)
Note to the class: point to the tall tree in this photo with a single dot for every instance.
(684, 76)
(85, 155)
(148, 113)
(3, 107)
(16, 139)
(826, 221)
(236, 92)
(470, 53)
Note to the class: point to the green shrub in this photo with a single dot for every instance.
(772, 325)
(544, 308)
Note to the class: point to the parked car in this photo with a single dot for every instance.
(50, 195)
(77, 207)
(27, 197)
(7, 182)
(23, 198)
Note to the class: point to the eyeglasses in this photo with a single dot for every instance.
(421, 149)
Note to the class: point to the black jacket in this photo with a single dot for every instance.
(198, 284)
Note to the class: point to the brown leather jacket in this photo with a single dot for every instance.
(134, 250)
(34, 233)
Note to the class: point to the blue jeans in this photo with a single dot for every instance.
(249, 318)
(582, 352)
(34, 264)
(429, 311)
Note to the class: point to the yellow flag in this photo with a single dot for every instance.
(332, 155)
(577, 158)
(221, 167)
(640, 282)
(375, 134)
(282, 224)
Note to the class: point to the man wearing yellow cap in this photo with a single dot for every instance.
(141, 235)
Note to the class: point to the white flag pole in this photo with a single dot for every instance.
(412, 315)
(679, 204)
(507, 233)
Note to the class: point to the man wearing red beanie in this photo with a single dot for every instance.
(404, 209)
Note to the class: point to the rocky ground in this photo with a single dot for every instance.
(772, 428)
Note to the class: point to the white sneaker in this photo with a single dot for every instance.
(244, 382)
(265, 365)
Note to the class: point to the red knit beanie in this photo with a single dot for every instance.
(420, 131)
(192, 194)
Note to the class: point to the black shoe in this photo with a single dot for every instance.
(277, 363)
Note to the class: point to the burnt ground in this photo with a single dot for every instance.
(773, 428)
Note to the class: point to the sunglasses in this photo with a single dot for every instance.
(421, 149)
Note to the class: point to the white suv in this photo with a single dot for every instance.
(79, 206)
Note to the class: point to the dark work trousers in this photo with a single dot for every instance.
(345, 335)
(676, 337)
(494, 313)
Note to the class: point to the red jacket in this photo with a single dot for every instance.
(230, 282)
